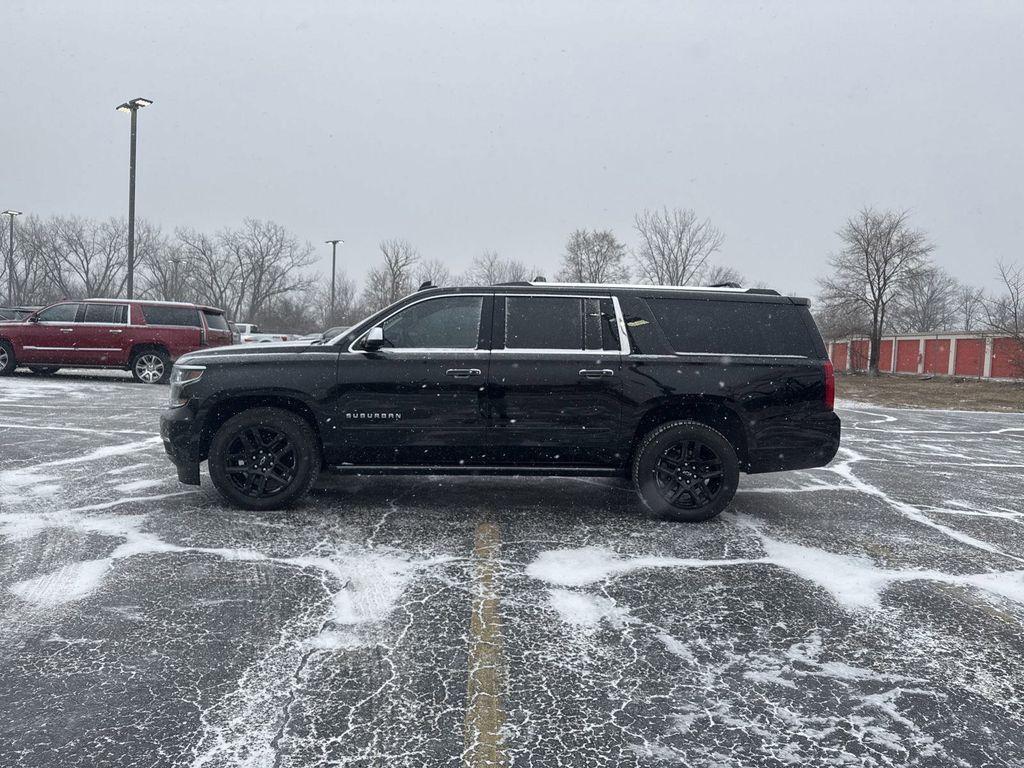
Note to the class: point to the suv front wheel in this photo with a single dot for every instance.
(264, 458)
(685, 471)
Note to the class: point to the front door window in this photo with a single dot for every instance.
(448, 322)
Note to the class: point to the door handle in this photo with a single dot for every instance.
(116, 330)
(67, 330)
(462, 373)
(596, 373)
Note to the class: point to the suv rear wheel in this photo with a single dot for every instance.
(151, 366)
(685, 471)
(7, 362)
(264, 458)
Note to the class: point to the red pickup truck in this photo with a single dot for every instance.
(144, 337)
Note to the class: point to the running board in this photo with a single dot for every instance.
(380, 469)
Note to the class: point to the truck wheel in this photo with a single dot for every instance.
(44, 370)
(7, 362)
(264, 458)
(151, 366)
(685, 471)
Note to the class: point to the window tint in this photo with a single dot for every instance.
(62, 313)
(451, 322)
(157, 314)
(105, 313)
(543, 322)
(733, 327)
(216, 321)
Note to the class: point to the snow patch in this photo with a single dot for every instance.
(586, 611)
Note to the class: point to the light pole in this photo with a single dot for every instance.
(177, 261)
(10, 254)
(133, 107)
(334, 259)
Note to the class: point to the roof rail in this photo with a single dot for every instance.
(525, 283)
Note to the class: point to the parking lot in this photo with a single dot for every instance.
(866, 614)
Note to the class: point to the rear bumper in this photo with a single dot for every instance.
(811, 442)
(181, 443)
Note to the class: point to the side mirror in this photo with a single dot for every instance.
(33, 318)
(374, 339)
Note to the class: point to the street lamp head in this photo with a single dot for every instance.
(134, 104)
(12, 214)
(334, 242)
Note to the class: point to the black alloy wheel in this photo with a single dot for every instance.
(264, 458)
(260, 461)
(689, 474)
(685, 471)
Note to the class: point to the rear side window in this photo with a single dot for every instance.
(216, 321)
(733, 327)
(106, 313)
(160, 315)
(543, 322)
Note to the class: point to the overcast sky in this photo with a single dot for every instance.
(504, 126)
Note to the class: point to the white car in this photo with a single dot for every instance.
(250, 334)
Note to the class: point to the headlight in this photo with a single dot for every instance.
(183, 376)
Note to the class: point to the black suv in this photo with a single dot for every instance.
(680, 389)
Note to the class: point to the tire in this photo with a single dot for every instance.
(284, 460)
(685, 471)
(151, 366)
(7, 361)
(44, 370)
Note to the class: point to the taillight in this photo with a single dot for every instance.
(830, 385)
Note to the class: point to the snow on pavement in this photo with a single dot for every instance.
(869, 613)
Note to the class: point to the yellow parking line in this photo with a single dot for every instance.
(484, 713)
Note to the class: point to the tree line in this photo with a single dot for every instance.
(260, 272)
(880, 281)
(883, 281)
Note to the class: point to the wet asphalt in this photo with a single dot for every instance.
(865, 614)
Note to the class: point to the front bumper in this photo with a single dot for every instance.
(181, 442)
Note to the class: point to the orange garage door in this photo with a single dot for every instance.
(885, 355)
(970, 357)
(1007, 359)
(936, 356)
(906, 356)
(859, 355)
(839, 356)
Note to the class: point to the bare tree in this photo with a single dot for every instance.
(489, 269)
(927, 303)
(387, 283)
(346, 309)
(169, 275)
(31, 276)
(213, 275)
(881, 254)
(434, 271)
(84, 258)
(717, 274)
(674, 245)
(1004, 314)
(594, 257)
(271, 262)
(969, 304)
